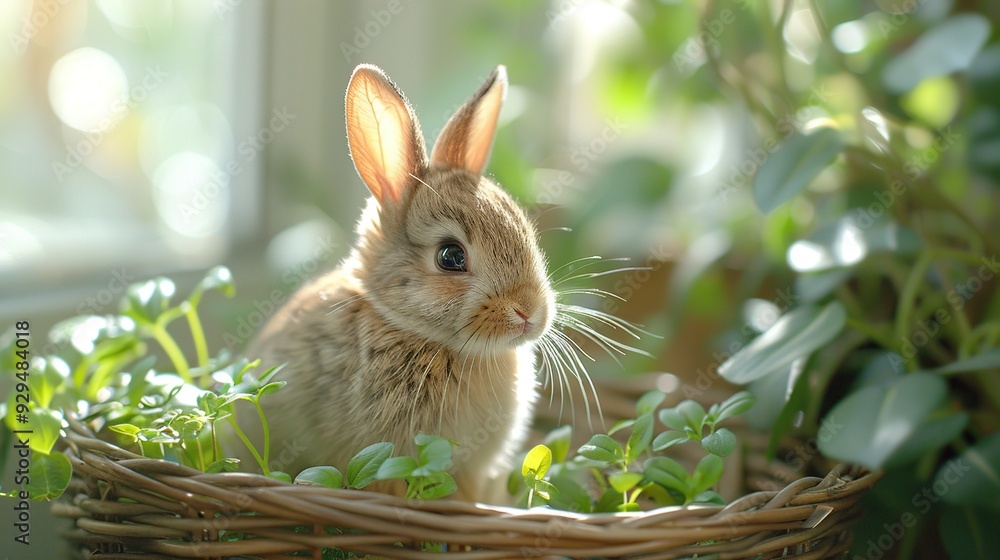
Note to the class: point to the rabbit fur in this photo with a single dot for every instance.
(389, 344)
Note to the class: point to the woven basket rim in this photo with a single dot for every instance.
(179, 511)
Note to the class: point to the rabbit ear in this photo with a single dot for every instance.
(467, 139)
(383, 134)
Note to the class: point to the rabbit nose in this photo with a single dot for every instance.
(521, 315)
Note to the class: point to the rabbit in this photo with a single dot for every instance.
(430, 323)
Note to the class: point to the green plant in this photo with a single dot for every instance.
(174, 415)
(616, 473)
(890, 354)
(100, 361)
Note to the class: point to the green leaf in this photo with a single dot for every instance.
(970, 533)
(868, 426)
(669, 439)
(795, 399)
(83, 333)
(437, 485)
(720, 443)
(226, 464)
(558, 440)
(671, 418)
(660, 495)
(709, 497)
(812, 287)
(129, 430)
(602, 448)
(219, 278)
(973, 478)
(321, 476)
(949, 46)
(47, 376)
(270, 388)
(795, 335)
(936, 431)
(396, 467)
(609, 501)
(48, 475)
(847, 241)
(146, 301)
(544, 489)
(623, 482)
(793, 165)
(537, 462)
(433, 457)
(514, 483)
(423, 440)
(667, 473)
(280, 475)
(706, 474)
(648, 402)
(735, 405)
(773, 392)
(570, 495)
(621, 425)
(364, 467)
(693, 414)
(980, 362)
(642, 436)
(46, 425)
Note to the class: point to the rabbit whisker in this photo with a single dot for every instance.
(591, 292)
(589, 275)
(570, 348)
(571, 263)
(344, 303)
(424, 183)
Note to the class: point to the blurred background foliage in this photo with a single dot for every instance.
(759, 157)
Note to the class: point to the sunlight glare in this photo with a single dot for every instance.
(88, 90)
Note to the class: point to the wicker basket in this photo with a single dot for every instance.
(129, 507)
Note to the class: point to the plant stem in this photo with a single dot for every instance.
(246, 441)
(80, 372)
(173, 352)
(216, 452)
(266, 430)
(872, 333)
(907, 299)
(201, 454)
(197, 335)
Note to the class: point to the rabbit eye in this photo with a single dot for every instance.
(451, 257)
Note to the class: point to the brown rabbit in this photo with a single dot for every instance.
(429, 325)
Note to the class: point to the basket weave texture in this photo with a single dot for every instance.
(128, 507)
